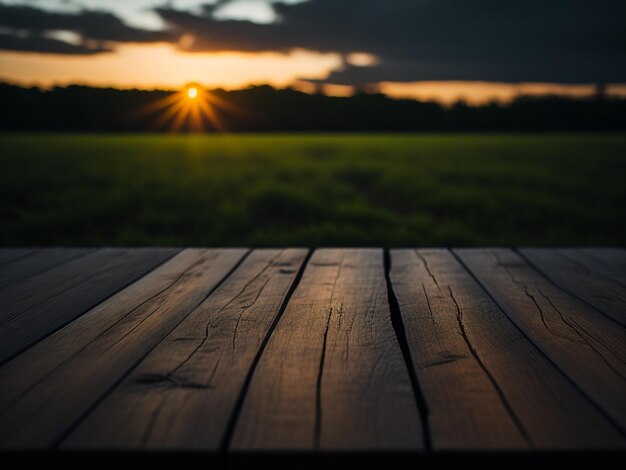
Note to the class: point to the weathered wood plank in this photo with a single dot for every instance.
(612, 260)
(182, 395)
(486, 385)
(35, 307)
(586, 345)
(332, 376)
(10, 254)
(37, 262)
(598, 280)
(46, 390)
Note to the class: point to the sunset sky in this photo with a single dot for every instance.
(426, 49)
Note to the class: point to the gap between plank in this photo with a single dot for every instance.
(398, 328)
(115, 292)
(73, 258)
(232, 422)
(24, 255)
(592, 402)
(102, 333)
(97, 402)
(563, 289)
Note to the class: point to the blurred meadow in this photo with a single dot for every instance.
(312, 190)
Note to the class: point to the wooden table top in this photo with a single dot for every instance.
(328, 350)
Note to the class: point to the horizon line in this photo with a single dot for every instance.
(524, 89)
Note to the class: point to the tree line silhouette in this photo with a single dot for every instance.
(265, 109)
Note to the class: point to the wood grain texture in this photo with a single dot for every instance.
(36, 306)
(595, 276)
(486, 385)
(45, 391)
(584, 344)
(612, 260)
(37, 262)
(182, 395)
(332, 376)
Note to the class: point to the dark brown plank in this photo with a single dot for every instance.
(485, 383)
(35, 307)
(612, 260)
(10, 254)
(332, 376)
(587, 275)
(46, 390)
(182, 395)
(586, 345)
(37, 262)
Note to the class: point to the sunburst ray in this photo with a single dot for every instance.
(193, 109)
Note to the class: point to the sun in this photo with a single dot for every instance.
(192, 109)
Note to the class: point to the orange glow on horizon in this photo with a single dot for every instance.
(477, 93)
(163, 66)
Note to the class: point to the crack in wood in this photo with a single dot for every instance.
(575, 383)
(244, 309)
(499, 391)
(587, 271)
(525, 288)
(230, 427)
(583, 339)
(430, 308)
(317, 436)
(168, 381)
(318, 387)
(542, 315)
(124, 376)
(430, 273)
(599, 340)
(446, 360)
(210, 324)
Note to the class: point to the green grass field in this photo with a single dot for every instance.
(390, 190)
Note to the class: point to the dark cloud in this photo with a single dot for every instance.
(25, 27)
(502, 40)
(37, 43)
(569, 41)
